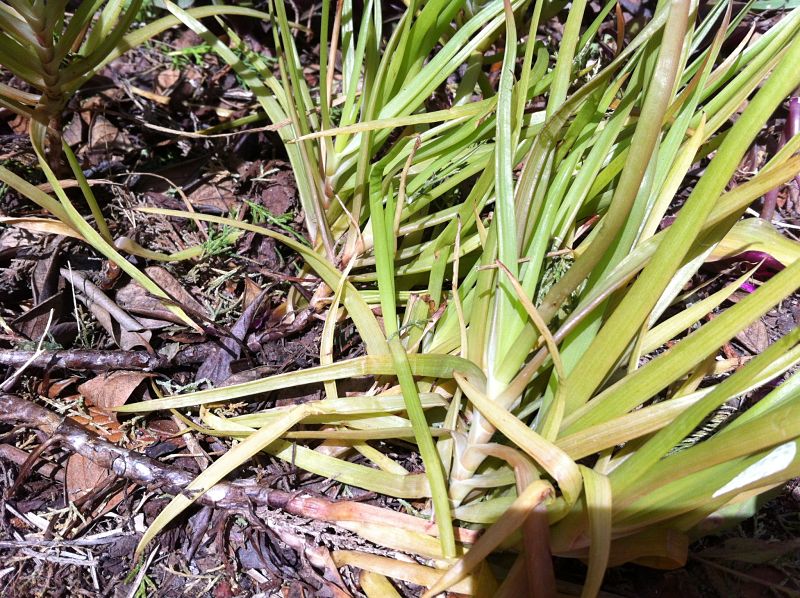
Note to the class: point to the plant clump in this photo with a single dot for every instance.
(519, 265)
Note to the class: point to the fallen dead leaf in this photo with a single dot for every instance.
(175, 289)
(251, 292)
(44, 284)
(111, 390)
(102, 132)
(149, 310)
(755, 337)
(218, 193)
(125, 339)
(100, 394)
(104, 137)
(85, 476)
(217, 367)
(279, 196)
(91, 105)
(73, 132)
(137, 300)
(82, 476)
(126, 330)
(165, 429)
(186, 38)
(166, 79)
(54, 389)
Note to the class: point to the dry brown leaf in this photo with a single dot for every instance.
(217, 367)
(104, 136)
(218, 193)
(166, 79)
(137, 300)
(48, 299)
(174, 288)
(83, 476)
(101, 394)
(125, 339)
(11, 238)
(54, 389)
(126, 330)
(148, 310)
(103, 132)
(755, 337)
(251, 291)
(165, 429)
(73, 132)
(279, 197)
(113, 389)
(91, 106)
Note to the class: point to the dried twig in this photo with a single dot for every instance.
(127, 332)
(94, 295)
(94, 540)
(84, 359)
(239, 495)
(18, 456)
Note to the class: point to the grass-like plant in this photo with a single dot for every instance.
(526, 338)
(52, 53)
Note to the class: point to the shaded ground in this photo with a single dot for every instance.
(67, 527)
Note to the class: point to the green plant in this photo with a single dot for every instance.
(191, 55)
(262, 215)
(220, 240)
(560, 399)
(55, 53)
(144, 584)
